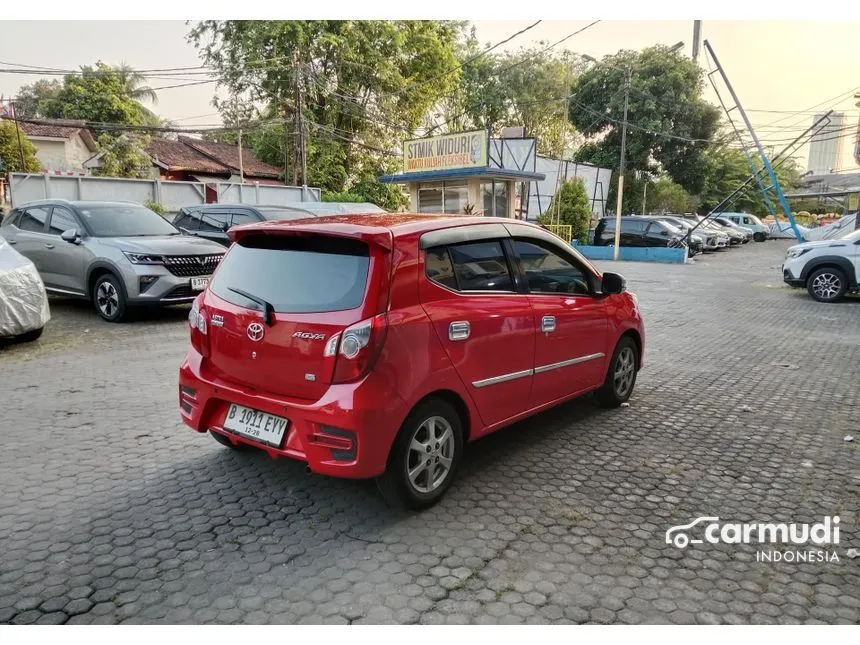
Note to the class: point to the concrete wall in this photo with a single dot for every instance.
(62, 154)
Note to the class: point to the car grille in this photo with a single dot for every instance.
(180, 292)
(187, 266)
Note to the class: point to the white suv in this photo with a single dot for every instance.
(827, 268)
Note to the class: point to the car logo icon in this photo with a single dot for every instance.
(256, 332)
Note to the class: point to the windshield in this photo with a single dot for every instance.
(294, 274)
(854, 236)
(120, 220)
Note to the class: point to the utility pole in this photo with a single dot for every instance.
(644, 196)
(241, 164)
(621, 163)
(697, 36)
(18, 132)
(301, 153)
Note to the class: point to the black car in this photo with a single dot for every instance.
(637, 231)
(212, 221)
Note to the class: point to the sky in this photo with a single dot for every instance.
(776, 67)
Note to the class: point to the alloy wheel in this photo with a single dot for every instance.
(625, 370)
(107, 299)
(826, 286)
(430, 455)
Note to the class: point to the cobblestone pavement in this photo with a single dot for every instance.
(111, 511)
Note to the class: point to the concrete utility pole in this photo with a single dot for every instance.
(301, 153)
(621, 163)
(18, 132)
(241, 164)
(697, 36)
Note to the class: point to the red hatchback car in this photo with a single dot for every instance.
(378, 345)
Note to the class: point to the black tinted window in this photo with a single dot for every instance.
(61, 220)
(215, 221)
(120, 220)
(481, 266)
(33, 219)
(438, 267)
(187, 221)
(295, 275)
(548, 272)
(635, 226)
(244, 218)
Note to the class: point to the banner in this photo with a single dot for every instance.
(446, 152)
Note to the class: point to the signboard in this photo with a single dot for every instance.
(446, 152)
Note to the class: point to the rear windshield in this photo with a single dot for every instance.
(294, 274)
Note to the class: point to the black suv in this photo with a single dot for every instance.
(212, 221)
(637, 231)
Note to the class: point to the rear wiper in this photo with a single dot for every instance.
(268, 309)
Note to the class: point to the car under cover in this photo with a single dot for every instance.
(23, 301)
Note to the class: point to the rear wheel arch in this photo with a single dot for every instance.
(455, 401)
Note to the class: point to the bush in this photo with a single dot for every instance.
(570, 206)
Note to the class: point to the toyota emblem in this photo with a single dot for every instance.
(256, 332)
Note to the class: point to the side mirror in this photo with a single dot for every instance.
(612, 283)
(71, 236)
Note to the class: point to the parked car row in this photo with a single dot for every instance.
(121, 254)
(697, 233)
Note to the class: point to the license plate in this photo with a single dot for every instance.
(199, 284)
(263, 427)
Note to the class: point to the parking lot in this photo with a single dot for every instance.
(111, 511)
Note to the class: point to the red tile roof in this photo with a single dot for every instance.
(194, 155)
(59, 129)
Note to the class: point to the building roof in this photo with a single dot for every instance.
(58, 129)
(486, 172)
(196, 156)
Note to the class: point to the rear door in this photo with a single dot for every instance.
(64, 265)
(30, 238)
(484, 324)
(317, 286)
(570, 320)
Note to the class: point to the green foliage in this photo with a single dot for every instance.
(665, 196)
(100, 93)
(365, 83)
(10, 154)
(155, 206)
(516, 89)
(570, 206)
(387, 196)
(124, 156)
(665, 97)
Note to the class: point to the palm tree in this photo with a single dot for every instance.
(135, 84)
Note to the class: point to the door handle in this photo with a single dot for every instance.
(49, 246)
(459, 330)
(547, 324)
(12, 241)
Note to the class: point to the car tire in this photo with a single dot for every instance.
(225, 441)
(109, 298)
(431, 434)
(759, 237)
(621, 375)
(30, 336)
(827, 284)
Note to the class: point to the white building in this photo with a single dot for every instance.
(62, 146)
(825, 147)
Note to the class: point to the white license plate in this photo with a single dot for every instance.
(263, 427)
(199, 284)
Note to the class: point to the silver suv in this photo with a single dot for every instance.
(116, 254)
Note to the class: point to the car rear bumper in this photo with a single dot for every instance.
(347, 433)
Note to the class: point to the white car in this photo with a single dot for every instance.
(827, 268)
(24, 309)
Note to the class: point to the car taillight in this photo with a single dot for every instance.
(198, 327)
(358, 349)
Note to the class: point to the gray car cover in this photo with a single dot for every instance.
(23, 301)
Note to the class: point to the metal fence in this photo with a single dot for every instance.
(173, 195)
(564, 231)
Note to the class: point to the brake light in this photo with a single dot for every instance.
(358, 349)
(198, 328)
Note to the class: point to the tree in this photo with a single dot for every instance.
(124, 156)
(135, 84)
(10, 154)
(34, 100)
(365, 84)
(671, 125)
(524, 88)
(570, 206)
(665, 196)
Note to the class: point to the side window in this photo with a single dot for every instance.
(747, 220)
(62, 220)
(33, 219)
(634, 226)
(481, 266)
(243, 218)
(548, 272)
(214, 222)
(438, 267)
(658, 230)
(188, 221)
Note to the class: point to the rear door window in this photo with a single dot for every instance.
(438, 267)
(243, 218)
(481, 266)
(33, 219)
(634, 226)
(295, 274)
